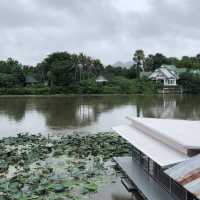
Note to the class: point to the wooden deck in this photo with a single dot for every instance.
(144, 183)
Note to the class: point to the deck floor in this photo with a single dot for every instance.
(147, 185)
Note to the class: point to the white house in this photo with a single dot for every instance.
(165, 75)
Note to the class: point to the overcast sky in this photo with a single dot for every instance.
(110, 30)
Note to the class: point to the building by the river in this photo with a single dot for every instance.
(165, 162)
(166, 75)
(101, 80)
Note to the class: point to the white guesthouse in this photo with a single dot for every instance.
(165, 75)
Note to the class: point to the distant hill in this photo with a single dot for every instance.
(123, 64)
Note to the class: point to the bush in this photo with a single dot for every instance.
(134, 86)
(190, 83)
(8, 80)
(90, 87)
(118, 85)
(24, 91)
(111, 89)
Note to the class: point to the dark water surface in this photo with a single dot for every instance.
(57, 115)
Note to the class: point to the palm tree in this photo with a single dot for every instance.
(139, 58)
(75, 61)
(86, 62)
(80, 69)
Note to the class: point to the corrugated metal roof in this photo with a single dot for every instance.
(169, 74)
(170, 67)
(187, 174)
(165, 71)
(162, 73)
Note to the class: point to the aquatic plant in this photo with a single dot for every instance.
(68, 167)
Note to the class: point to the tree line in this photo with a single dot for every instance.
(62, 69)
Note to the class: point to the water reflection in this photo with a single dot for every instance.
(179, 106)
(13, 108)
(86, 113)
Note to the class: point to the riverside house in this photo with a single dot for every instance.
(165, 162)
(166, 75)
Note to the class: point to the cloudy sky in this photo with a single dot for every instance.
(110, 30)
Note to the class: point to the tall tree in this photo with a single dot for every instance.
(139, 58)
(149, 63)
(155, 61)
(50, 61)
(60, 65)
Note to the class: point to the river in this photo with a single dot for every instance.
(88, 114)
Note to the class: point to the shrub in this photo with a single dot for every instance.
(119, 85)
(90, 87)
(190, 83)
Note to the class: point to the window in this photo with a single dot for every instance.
(141, 158)
(144, 161)
(151, 167)
(135, 154)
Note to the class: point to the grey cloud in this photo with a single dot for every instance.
(31, 29)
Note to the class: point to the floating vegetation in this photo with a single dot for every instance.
(68, 167)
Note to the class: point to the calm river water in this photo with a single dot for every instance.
(90, 114)
(60, 115)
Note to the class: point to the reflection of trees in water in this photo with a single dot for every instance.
(13, 108)
(157, 106)
(77, 111)
(188, 107)
(62, 111)
(169, 106)
(82, 111)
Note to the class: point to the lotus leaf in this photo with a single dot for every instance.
(67, 167)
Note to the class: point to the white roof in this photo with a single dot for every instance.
(183, 133)
(101, 79)
(163, 72)
(167, 73)
(154, 149)
(166, 141)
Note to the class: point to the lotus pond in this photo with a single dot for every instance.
(61, 168)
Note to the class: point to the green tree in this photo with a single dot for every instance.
(139, 59)
(51, 61)
(190, 83)
(155, 61)
(62, 73)
(11, 69)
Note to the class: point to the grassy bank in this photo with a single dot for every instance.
(71, 167)
(116, 86)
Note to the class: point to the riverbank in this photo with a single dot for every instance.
(83, 95)
(116, 86)
(73, 166)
